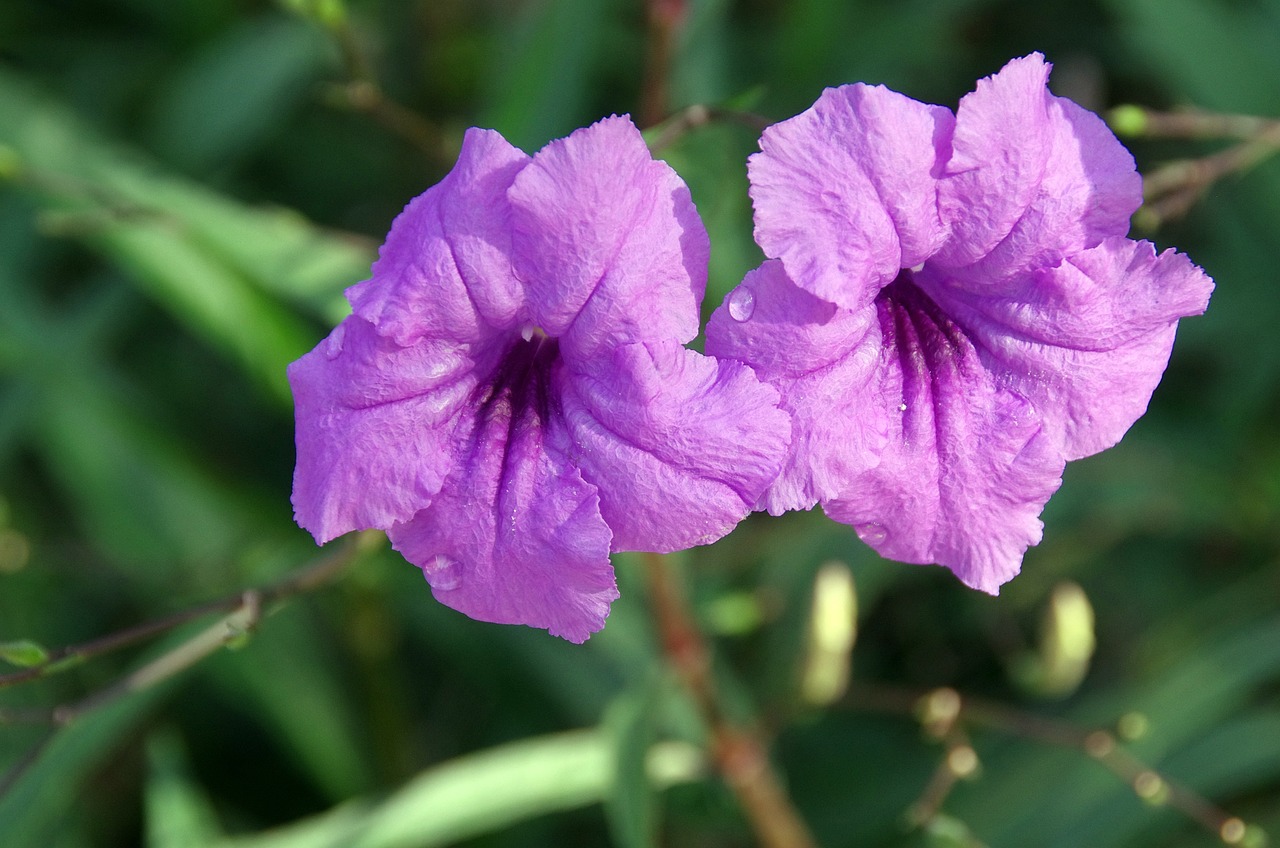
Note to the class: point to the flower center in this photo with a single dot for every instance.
(929, 343)
(522, 380)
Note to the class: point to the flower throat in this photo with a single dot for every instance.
(522, 378)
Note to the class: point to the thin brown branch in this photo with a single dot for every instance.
(302, 580)
(234, 625)
(1172, 189)
(163, 667)
(1140, 122)
(245, 610)
(72, 655)
(739, 752)
(1100, 745)
(700, 115)
(354, 58)
(929, 804)
(368, 98)
(363, 93)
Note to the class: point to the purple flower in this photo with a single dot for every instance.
(511, 399)
(951, 311)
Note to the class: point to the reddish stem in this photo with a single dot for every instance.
(739, 752)
(665, 18)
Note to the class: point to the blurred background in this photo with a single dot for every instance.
(185, 190)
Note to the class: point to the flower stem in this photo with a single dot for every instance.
(737, 749)
(665, 18)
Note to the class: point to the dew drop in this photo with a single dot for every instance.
(902, 407)
(443, 573)
(741, 304)
(871, 533)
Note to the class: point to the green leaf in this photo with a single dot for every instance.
(631, 805)
(1235, 46)
(178, 813)
(285, 673)
(23, 653)
(478, 794)
(327, 13)
(946, 832)
(219, 266)
(541, 85)
(235, 92)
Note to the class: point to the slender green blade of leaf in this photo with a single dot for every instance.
(178, 813)
(236, 91)
(477, 794)
(631, 804)
(540, 86)
(288, 680)
(218, 265)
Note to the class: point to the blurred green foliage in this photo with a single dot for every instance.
(185, 190)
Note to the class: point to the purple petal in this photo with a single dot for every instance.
(515, 535)
(374, 425)
(1088, 339)
(1003, 136)
(608, 242)
(445, 269)
(1089, 190)
(934, 408)
(1020, 200)
(823, 361)
(967, 468)
(845, 193)
(680, 445)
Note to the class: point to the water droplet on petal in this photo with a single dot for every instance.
(741, 304)
(902, 407)
(871, 533)
(443, 573)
